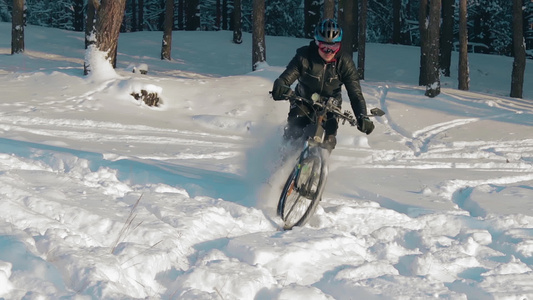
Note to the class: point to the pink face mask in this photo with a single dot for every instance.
(328, 48)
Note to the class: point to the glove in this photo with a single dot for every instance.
(281, 91)
(365, 125)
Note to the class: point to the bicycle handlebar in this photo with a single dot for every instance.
(328, 105)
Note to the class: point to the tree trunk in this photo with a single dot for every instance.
(166, 48)
(109, 15)
(422, 24)
(329, 9)
(311, 17)
(258, 34)
(433, 72)
(464, 76)
(347, 21)
(108, 21)
(92, 7)
(396, 24)
(355, 26)
(224, 14)
(181, 9)
(519, 51)
(78, 15)
(193, 15)
(362, 38)
(446, 42)
(218, 16)
(140, 21)
(17, 27)
(237, 23)
(134, 23)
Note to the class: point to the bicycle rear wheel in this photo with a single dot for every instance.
(302, 192)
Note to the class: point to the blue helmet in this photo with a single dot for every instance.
(328, 31)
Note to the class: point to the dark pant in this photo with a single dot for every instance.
(298, 119)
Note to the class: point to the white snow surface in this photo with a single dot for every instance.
(103, 197)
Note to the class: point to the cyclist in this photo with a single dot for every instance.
(321, 68)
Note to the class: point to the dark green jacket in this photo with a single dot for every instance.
(316, 76)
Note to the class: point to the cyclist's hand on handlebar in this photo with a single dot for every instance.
(280, 91)
(365, 125)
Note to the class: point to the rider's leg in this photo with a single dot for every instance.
(331, 131)
(297, 120)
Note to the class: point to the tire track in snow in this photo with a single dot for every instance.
(425, 146)
(459, 191)
(189, 145)
(421, 138)
(430, 149)
(82, 125)
(381, 94)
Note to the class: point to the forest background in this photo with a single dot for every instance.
(437, 21)
(489, 25)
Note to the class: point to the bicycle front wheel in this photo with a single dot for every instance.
(302, 192)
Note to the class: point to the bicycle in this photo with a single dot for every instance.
(304, 187)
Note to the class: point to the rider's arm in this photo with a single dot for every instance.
(295, 66)
(282, 85)
(350, 78)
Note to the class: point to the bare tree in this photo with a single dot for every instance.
(258, 33)
(347, 22)
(422, 25)
(181, 9)
(109, 15)
(237, 22)
(446, 41)
(218, 16)
(464, 77)
(355, 25)
(192, 16)
(433, 71)
(17, 27)
(134, 22)
(78, 15)
(140, 19)
(361, 49)
(348, 15)
(519, 51)
(92, 7)
(329, 9)
(166, 47)
(108, 21)
(396, 24)
(311, 17)
(224, 14)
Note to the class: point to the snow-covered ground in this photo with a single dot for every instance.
(103, 197)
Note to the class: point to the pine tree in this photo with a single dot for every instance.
(519, 51)
(361, 49)
(464, 77)
(17, 27)
(432, 63)
(167, 35)
(446, 41)
(109, 14)
(237, 23)
(258, 34)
